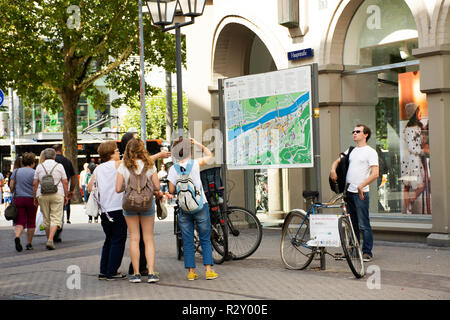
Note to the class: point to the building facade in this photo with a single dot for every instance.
(383, 63)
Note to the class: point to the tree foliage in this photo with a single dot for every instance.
(52, 52)
(155, 108)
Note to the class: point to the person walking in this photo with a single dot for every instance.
(22, 186)
(70, 173)
(363, 169)
(2, 182)
(51, 203)
(136, 161)
(112, 219)
(90, 170)
(162, 176)
(83, 184)
(7, 194)
(181, 152)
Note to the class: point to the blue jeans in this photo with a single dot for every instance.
(203, 224)
(114, 245)
(359, 213)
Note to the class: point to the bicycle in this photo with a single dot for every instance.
(244, 227)
(296, 251)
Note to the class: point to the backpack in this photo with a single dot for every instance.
(48, 185)
(341, 171)
(138, 194)
(190, 198)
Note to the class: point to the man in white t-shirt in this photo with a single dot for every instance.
(363, 169)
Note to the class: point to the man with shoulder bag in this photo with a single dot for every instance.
(363, 169)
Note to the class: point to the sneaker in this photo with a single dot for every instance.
(18, 245)
(101, 276)
(192, 276)
(367, 257)
(135, 278)
(210, 275)
(117, 276)
(29, 246)
(68, 222)
(50, 245)
(153, 278)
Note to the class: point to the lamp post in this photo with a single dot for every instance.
(142, 77)
(162, 13)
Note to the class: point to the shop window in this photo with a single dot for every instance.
(381, 88)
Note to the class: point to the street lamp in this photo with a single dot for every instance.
(162, 13)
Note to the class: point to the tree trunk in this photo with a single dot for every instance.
(70, 99)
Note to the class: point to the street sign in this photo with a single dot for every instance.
(300, 54)
(2, 97)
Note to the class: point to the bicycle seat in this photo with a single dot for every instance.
(310, 194)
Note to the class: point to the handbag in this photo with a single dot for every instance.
(92, 207)
(11, 211)
(161, 210)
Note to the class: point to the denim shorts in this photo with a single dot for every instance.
(146, 214)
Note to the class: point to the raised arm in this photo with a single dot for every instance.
(208, 155)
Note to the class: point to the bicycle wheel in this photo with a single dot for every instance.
(244, 232)
(295, 253)
(350, 245)
(219, 241)
(178, 237)
(179, 247)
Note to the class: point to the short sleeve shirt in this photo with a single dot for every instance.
(23, 182)
(361, 159)
(58, 174)
(195, 175)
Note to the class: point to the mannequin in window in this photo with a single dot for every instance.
(413, 174)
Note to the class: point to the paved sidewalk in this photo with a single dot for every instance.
(406, 271)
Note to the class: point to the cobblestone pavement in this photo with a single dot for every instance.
(406, 271)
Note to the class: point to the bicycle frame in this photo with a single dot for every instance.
(312, 210)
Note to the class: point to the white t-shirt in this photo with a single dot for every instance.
(361, 159)
(105, 175)
(58, 174)
(195, 175)
(125, 172)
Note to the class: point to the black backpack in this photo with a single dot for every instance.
(341, 171)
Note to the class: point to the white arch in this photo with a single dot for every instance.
(332, 43)
(272, 43)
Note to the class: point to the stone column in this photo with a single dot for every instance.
(435, 82)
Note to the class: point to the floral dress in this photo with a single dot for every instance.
(412, 169)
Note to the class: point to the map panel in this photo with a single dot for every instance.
(268, 120)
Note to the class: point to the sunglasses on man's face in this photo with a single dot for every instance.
(356, 131)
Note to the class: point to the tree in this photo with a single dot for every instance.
(155, 108)
(52, 52)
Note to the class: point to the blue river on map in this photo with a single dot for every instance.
(232, 134)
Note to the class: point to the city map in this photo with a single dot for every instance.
(269, 131)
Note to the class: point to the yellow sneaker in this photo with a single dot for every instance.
(210, 275)
(192, 276)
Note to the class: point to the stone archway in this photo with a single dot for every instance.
(240, 47)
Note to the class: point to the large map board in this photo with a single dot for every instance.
(268, 120)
